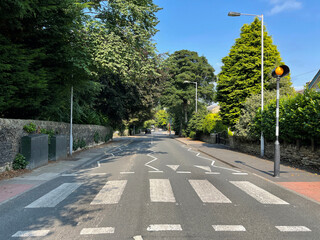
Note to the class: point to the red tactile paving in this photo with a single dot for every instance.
(10, 190)
(309, 189)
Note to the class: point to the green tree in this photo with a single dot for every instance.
(162, 118)
(185, 65)
(240, 76)
(213, 123)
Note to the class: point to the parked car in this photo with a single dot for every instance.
(147, 131)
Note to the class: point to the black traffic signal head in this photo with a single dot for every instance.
(280, 71)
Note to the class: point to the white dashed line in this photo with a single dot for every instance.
(229, 228)
(293, 229)
(95, 231)
(164, 227)
(33, 233)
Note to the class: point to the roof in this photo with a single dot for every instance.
(314, 81)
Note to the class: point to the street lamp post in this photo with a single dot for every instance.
(196, 93)
(236, 14)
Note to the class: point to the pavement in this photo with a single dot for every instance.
(303, 183)
(11, 188)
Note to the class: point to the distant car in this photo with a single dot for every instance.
(147, 131)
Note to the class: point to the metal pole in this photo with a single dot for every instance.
(196, 97)
(277, 144)
(262, 36)
(71, 108)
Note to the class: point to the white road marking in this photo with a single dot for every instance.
(207, 192)
(33, 233)
(154, 159)
(54, 197)
(94, 231)
(110, 193)
(173, 167)
(126, 172)
(161, 191)
(206, 168)
(229, 169)
(293, 229)
(229, 228)
(258, 193)
(98, 174)
(240, 173)
(213, 173)
(156, 171)
(69, 175)
(183, 172)
(138, 237)
(164, 227)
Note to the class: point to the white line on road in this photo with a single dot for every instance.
(154, 159)
(54, 197)
(138, 237)
(207, 192)
(94, 231)
(173, 167)
(156, 171)
(161, 191)
(164, 227)
(183, 172)
(212, 173)
(110, 193)
(293, 229)
(126, 172)
(206, 168)
(33, 233)
(229, 228)
(240, 173)
(258, 193)
(69, 175)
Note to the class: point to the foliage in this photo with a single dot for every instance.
(149, 123)
(96, 137)
(162, 118)
(177, 95)
(19, 162)
(213, 124)
(30, 127)
(195, 125)
(108, 137)
(80, 143)
(240, 76)
(299, 118)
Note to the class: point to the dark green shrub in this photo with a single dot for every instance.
(19, 162)
(96, 137)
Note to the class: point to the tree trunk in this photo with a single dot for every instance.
(185, 112)
(298, 143)
(313, 147)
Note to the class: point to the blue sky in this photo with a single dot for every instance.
(203, 26)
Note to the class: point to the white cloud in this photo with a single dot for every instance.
(283, 5)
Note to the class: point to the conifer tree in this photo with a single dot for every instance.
(240, 76)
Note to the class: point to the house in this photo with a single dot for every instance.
(314, 83)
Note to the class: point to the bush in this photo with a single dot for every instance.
(213, 123)
(19, 162)
(195, 125)
(96, 137)
(30, 128)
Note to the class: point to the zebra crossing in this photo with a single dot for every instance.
(160, 190)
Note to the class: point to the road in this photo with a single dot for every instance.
(154, 187)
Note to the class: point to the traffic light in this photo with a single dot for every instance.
(280, 71)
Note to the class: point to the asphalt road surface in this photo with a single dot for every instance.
(154, 187)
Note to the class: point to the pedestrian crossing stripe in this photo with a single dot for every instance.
(110, 193)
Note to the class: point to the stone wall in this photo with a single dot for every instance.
(289, 153)
(11, 131)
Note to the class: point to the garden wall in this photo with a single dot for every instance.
(289, 153)
(11, 131)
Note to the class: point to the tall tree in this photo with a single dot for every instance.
(240, 76)
(185, 65)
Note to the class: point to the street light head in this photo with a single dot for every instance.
(186, 82)
(234, 14)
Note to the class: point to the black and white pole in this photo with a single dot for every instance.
(277, 144)
(278, 73)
